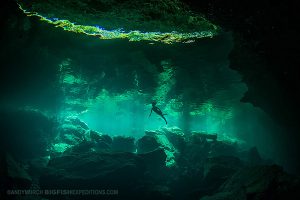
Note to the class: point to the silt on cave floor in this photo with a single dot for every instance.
(77, 82)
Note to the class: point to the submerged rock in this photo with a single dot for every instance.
(92, 170)
(25, 133)
(195, 153)
(77, 122)
(13, 174)
(259, 182)
(223, 148)
(102, 142)
(99, 137)
(147, 144)
(71, 135)
(154, 158)
(123, 171)
(37, 166)
(59, 148)
(200, 136)
(82, 147)
(218, 169)
(72, 131)
(168, 147)
(251, 156)
(160, 192)
(123, 144)
(176, 136)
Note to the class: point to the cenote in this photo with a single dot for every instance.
(145, 100)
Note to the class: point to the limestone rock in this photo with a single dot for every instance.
(259, 182)
(72, 131)
(124, 171)
(123, 144)
(219, 169)
(147, 144)
(15, 173)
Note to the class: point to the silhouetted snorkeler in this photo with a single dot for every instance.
(157, 111)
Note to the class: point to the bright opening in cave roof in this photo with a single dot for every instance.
(153, 21)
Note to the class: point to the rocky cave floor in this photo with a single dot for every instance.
(163, 164)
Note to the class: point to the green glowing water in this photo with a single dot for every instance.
(110, 86)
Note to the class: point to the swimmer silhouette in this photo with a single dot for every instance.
(157, 111)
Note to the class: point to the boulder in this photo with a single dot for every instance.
(225, 196)
(37, 165)
(251, 156)
(168, 147)
(223, 148)
(71, 134)
(99, 137)
(14, 173)
(82, 147)
(218, 169)
(176, 136)
(77, 122)
(154, 158)
(93, 170)
(195, 152)
(102, 142)
(72, 131)
(259, 182)
(123, 144)
(132, 174)
(160, 192)
(200, 136)
(146, 144)
(59, 148)
(26, 133)
(150, 132)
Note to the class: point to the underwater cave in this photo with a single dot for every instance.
(128, 99)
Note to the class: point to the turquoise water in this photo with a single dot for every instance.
(78, 87)
(113, 87)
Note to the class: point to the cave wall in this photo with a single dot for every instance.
(265, 53)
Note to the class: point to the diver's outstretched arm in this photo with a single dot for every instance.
(150, 113)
